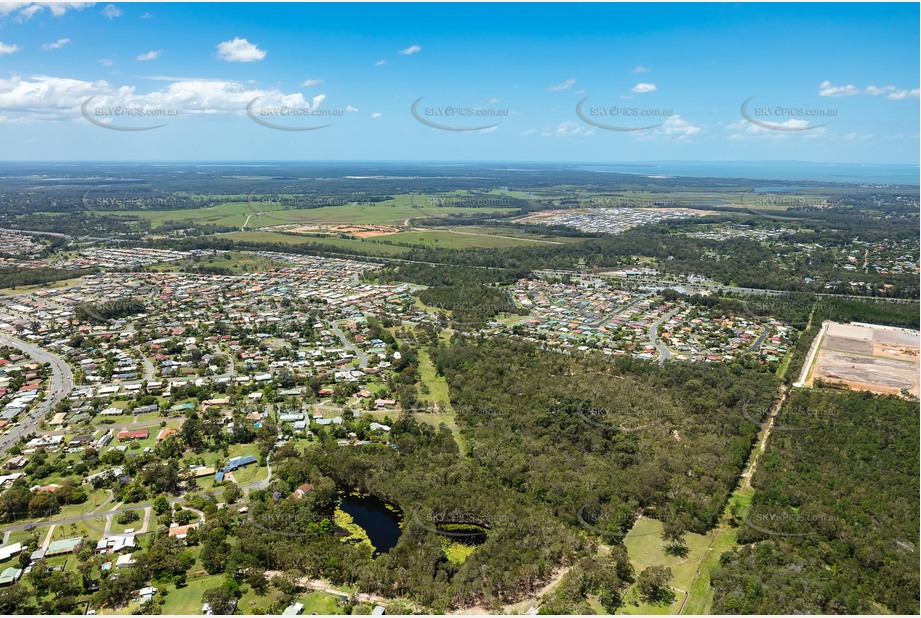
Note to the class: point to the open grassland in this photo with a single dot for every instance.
(646, 548)
(258, 213)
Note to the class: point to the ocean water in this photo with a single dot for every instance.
(788, 171)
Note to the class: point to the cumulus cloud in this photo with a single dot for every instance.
(56, 45)
(376, 115)
(111, 11)
(564, 85)
(643, 87)
(239, 50)
(349, 108)
(567, 128)
(151, 55)
(310, 82)
(742, 130)
(27, 10)
(641, 69)
(527, 132)
(412, 49)
(380, 63)
(43, 98)
(8, 48)
(826, 89)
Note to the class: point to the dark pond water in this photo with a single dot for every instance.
(381, 524)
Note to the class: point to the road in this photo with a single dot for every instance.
(362, 357)
(664, 352)
(60, 383)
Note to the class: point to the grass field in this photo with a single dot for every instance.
(645, 548)
(460, 239)
(234, 261)
(258, 214)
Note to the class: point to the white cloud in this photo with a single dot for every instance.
(380, 63)
(349, 108)
(27, 10)
(643, 87)
(412, 49)
(56, 45)
(674, 129)
(563, 86)
(239, 50)
(151, 55)
(527, 132)
(6, 49)
(376, 115)
(567, 128)
(106, 62)
(826, 89)
(57, 98)
(744, 130)
(146, 16)
(641, 69)
(111, 11)
(310, 82)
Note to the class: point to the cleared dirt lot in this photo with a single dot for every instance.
(878, 359)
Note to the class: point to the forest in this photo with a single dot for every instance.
(833, 526)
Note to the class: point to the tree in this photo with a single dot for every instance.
(43, 504)
(223, 599)
(232, 492)
(653, 584)
(160, 505)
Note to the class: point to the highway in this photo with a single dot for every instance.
(60, 383)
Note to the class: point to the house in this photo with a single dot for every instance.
(10, 576)
(165, 433)
(293, 610)
(114, 544)
(301, 491)
(235, 463)
(181, 532)
(63, 546)
(8, 551)
(125, 560)
(378, 610)
(16, 463)
(139, 434)
(384, 403)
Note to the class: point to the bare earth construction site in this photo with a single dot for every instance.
(879, 359)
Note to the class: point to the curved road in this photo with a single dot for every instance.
(362, 357)
(61, 382)
(664, 352)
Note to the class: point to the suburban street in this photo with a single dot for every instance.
(61, 381)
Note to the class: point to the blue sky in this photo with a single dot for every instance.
(656, 82)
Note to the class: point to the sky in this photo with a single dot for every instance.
(459, 82)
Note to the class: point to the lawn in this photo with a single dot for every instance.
(320, 603)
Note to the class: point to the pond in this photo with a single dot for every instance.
(380, 521)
